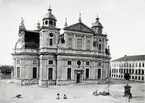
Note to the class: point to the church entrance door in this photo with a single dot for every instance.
(78, 78)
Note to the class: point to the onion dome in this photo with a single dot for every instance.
(49, 15)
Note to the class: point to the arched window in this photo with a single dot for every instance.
(126, 64)
(138, 77)
(132, 64)
(135, 77)
(142, 64)
(142, 78)
(132, 71)
(136, 64)
(139, 71)
(46, 22)
(135, 71)
(139, 64)
(142, 71)
(51, 39)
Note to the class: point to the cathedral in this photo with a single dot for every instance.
(47, 57)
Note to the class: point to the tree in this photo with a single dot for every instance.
(6, 69)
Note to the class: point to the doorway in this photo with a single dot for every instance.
(99, 73)
(78, 78)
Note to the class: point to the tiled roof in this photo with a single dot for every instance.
(81, 27)
(130, 58)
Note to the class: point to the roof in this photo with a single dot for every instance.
(80, 27)
(97, 23)
(49, 15)
(130, 58)
(31, 39)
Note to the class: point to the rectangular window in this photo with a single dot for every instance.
(79, 43)
(50, 62)
(50, 42)
(87, 73)
(88, 44)
(35, 61)
(18, 72)
(50, 73)
(69, 62)
(99, 46)
(18, 61)
(87, 63)
(70, 43)
(129, 71)
(68, 73)
(34, 72)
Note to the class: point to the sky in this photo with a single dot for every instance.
(123, 21)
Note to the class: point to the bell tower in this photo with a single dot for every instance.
(49, 19)
(48, 46)
(49, 33)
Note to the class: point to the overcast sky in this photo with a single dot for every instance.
(123, 20)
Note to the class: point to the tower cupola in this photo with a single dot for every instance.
(97, 26)
(49, 19)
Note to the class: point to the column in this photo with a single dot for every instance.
(74, 42)
(91, 43)
(84, 43)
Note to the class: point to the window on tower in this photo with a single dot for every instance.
(51, 42)
(51, 34)
(50, 22)
(54, 23)
(46, 22)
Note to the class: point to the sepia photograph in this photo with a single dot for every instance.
(72, 51)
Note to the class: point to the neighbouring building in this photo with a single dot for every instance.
(45, 57)
(134, 65)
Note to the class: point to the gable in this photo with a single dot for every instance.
(79, 27)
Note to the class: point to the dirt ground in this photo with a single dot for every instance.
(74, 93)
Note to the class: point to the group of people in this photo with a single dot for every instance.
(64, 96)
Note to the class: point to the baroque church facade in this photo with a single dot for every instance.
(45, 57)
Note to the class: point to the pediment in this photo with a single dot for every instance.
(80, 27)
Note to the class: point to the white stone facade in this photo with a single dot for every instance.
(134, 65)
(46, 57)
